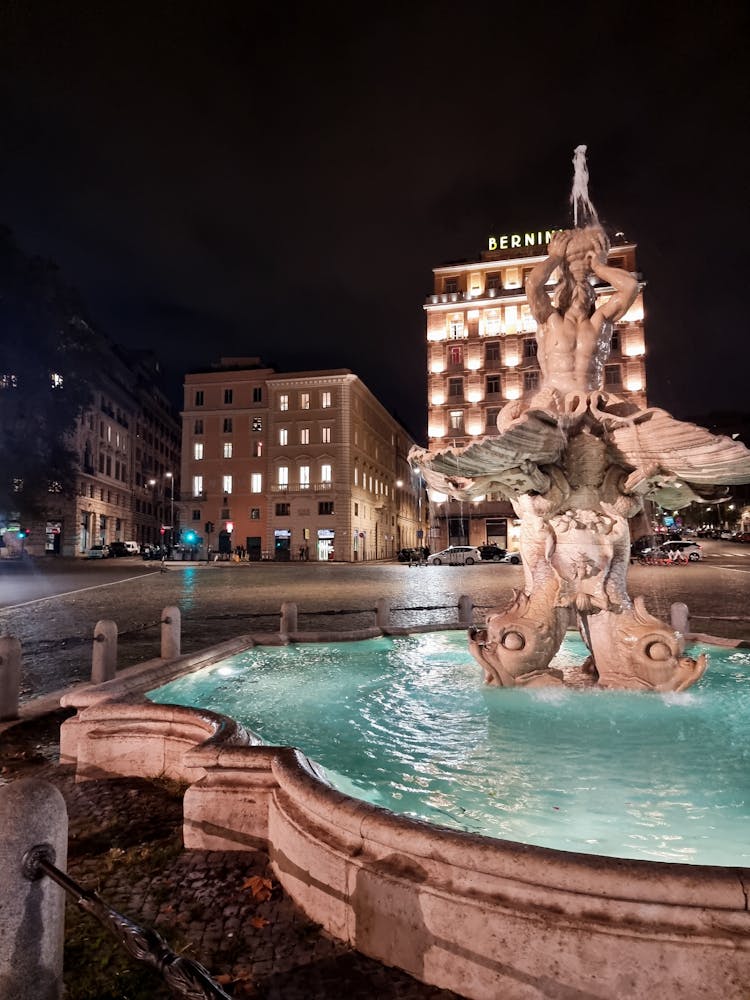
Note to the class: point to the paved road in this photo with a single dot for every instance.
(52, 607)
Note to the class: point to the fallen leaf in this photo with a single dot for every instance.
(259, 887)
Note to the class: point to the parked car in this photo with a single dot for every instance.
(118, 549)
(690, 549)
(98, 552)
(132, 547)
(492, 553)
(743, 537)
(512, 557)
(408, 555)
(726, 536)
(152, 552)
(456, 555)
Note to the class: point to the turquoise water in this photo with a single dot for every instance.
(408, 724)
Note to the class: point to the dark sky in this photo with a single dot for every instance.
(280, 181)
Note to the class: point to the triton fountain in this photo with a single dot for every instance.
(577, 463)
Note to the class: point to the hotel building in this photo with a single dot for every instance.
(302, 465)
(481, 353)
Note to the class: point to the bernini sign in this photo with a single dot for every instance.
(514, 241)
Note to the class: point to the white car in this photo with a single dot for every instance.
(690, 549)
(512, 557)
(98, 552)
(456, 555)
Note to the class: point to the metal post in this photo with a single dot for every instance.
(32, 913)
(170, 633)
(104, 653)
(10, 676)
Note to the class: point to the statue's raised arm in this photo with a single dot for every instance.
(624, 284)
(540, 302)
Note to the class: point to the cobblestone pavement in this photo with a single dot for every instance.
(223, 909)
(221, 601)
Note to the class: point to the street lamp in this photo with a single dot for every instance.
(170, 477)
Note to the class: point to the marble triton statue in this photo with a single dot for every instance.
(576, 463)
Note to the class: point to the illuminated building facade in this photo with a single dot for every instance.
(302, 465)
(481, 354)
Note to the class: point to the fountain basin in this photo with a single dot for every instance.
(481, 916)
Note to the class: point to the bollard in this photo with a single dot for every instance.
(10, 676)
(382, 612)
(170, 633)
(32, 913)
(104, 654)
(678, 617)
(288, 618)
(465, 610)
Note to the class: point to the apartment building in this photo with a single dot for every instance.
(126, 442)
(301, 465)
(482, 353)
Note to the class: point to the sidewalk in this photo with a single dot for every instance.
(223, 909)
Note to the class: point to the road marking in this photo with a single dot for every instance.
(81, 590)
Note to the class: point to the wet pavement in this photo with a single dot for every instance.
(223, 600)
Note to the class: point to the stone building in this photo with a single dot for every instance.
(481, 353)
(126, 442)
(295, 465)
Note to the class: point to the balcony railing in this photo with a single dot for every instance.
(325, 487)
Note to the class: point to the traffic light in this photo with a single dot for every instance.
(209, 527)
(23, 533)
(190, 538)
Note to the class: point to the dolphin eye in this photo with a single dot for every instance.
(513, 640)
(658, 651)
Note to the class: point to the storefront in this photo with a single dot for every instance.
(325, 544)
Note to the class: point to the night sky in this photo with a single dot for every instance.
(217, 180)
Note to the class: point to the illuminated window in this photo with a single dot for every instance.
(255, 513)
(284, 402)
(257, 449)
(283, 479)
(228, 395)
(356, 475)
(455, 329)
(227, 449)
(283, 436)
(8, 381)
(226, 484)
(256, 482)
(197, 486)
(198, 427)
(304, 435)
(56, 380)
(198, 451)
(325, 400)
(304, 401)
(304, 477)
(325, 435)
(199, 397)
(256, 424)
(325, 473)
(456, 421)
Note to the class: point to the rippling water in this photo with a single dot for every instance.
(407, 723)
